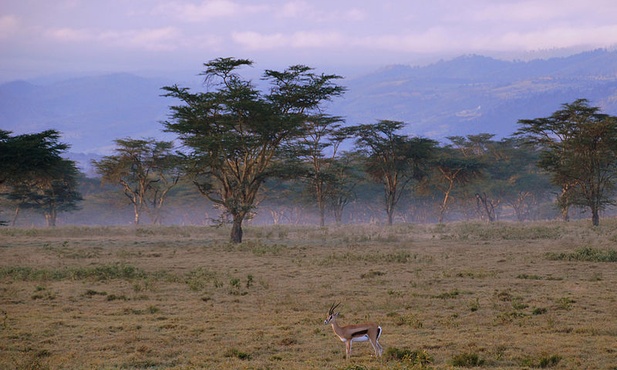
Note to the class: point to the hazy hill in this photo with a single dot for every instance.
(466, 95)
(89, 111)
(473, 94)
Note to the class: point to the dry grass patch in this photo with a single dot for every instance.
(459, 295)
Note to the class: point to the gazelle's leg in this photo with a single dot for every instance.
(380, 348)
(374, 345)
(377, 341)
(347, 349)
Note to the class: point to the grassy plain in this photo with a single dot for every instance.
(499, 296)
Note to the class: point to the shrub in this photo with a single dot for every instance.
(585, 254)
(200, 278)
(542, 361)
(101, 273)
(234, 352)
(467, 360)
(417, 357)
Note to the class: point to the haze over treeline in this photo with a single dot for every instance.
(476, 99)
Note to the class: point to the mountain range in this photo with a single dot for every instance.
(476, 94)
(467, 95)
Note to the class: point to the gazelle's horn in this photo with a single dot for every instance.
(333, 307)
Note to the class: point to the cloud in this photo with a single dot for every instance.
(432, 40)
(66, 34)
(303, 39)
(294, 9)
(560, 37)
(257, 41)
(306, 12)
(9, 24)
(154, 39)
(520, 11)
(204, 10)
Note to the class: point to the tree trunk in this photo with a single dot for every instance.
(136, 219)
(565, 213)
(390, 213)
(51, 217)
(564, 204)
(595, 216)
(444, 206)
(15, 215)
(484, 203)
(236, 229)
(338, 214)
(390, 203)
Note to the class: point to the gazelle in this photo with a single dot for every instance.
(355, 333)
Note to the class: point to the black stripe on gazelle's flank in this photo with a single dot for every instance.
(360, 333)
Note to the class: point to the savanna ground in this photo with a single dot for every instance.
(505, 295)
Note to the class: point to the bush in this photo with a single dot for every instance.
(417, 357)
(541, 362)
(585, 254)
(467, 360)
(233, 352)
(101, 273)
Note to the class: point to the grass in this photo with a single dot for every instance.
(494, 296)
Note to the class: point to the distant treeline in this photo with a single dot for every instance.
(275, 156)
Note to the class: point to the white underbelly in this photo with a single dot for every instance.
(363, 338)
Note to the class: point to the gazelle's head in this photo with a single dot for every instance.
(331, 315)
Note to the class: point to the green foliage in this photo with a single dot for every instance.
(448, 295)
(146, 170)
(579, 148)
(36, 176)
(236, 353)
(200, 278)
(392, 159)
(504, 231)
(542, 362)
(236, 133)
(410, 357)
(539, 311)
(564, 303)
(395, 257)
(100, 273)
(585, 254)
(467, 360)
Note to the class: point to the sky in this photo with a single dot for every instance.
(43, 37)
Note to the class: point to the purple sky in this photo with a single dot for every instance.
(40, 37)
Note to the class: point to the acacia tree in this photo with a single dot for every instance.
(579, 150)
(321, 134)
(146, 169)
(34, 175)
(346, 173)
(509, 175)
(392, 159)
(450, 171)
(235, 132)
